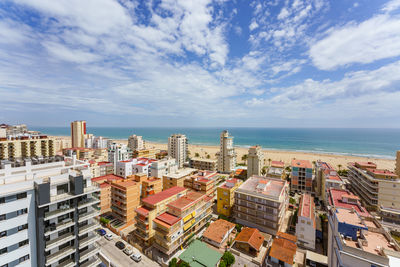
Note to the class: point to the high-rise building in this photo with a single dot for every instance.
(326, 178)
(302, 176)
(135, 142)
(125, 198)
(261, 203)
(47, 214)
(398, 163)
(255, 160)
(226, 154)
(26, 147)
(78, 133)
(306, 225)
(163, 167)
(378, 189)
(118, 152)
(178, 148)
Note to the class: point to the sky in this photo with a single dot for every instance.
(287, 63)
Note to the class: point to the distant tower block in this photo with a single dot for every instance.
(78, 133)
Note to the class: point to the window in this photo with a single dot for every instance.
(24, 258)
(2, 217)
(2, 200)
(61, 189)
(3, 250)
(23, 211)
(23, 243)
(3, 234)
(21, 195)
(309, 223)
(22, 227)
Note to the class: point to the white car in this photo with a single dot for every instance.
(108, 237)
(128, 251)
(136, 257)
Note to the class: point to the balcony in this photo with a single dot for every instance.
(88, 215)
(59, 241)
(92, 263)
(68, 263)
(88, 240)
(55, 213)
(87, 228)
(58, 227)
(87, 202)
(53, 258)
(89, 252)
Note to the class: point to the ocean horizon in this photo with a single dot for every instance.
(376, 143)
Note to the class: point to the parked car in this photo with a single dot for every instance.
(109, 237)
(128, 251)
(136, 257)
(120, 245)
(102, 232)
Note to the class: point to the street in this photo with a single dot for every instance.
(119, 258)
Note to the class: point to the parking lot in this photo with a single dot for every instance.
(119, 258)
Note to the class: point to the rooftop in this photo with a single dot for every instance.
(143, 211)
(361, 164)
(277, 164)
(306, 208)
(301, 163)
(382, 172)
(186, 201)
(270, 187)
(181, 173)
(124, 184)
(167, 219)
(375, 243)
(198, 254)
(230, 183)
(283, 250)
(218, 229)
(156, 198)
(336, 199)
(108, 177)
(251, 236)
(350, 217)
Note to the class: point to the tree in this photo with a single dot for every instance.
(238, 227)
(208, 156)
(269, 161)
(196, 155)
(264, 171)
(184, 264)
(222, 264)
(339, 166)
(244, 157)
(228, 258)
(104, 221)
(292, 201)
(173, 263)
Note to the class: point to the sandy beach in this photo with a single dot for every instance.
(285, 156)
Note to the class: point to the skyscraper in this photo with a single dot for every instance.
(255, 160)
(227, 154)
(78, 133)
(178, 148)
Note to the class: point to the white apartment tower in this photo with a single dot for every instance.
(118, 152)
(255, 160)
(78, 133)
(178, 148)
(135, 142)
(227, 154)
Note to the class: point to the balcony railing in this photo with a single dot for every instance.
(92, 262)
(53, 258)
(89, 252)
(88, 240)
(55, 213)
(68, 263)
(58, 227)
(59, 241)
(87, 202)
(87, 228)
(88, 215)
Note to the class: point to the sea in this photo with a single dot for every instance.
(377, 143)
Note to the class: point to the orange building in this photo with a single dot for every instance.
(203, 181)
(151, 186)
(125, 198)
(105, 191)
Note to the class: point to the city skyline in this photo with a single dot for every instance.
(208, 63)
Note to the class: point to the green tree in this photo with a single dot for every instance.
(264, 170)
(222, 264)
(244, 157)
(208, 156)
(269, 162)
(173, 263)
(196, 155)
(104, 221)
(339, 166)
(292, 201)
(184, 264)
(228, 258)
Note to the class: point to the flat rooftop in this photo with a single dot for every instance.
(307, 206)
(108, 177)
(187, 200)
(269, 187)
(163, 195)
(230, 183)
(167, 219)
(374, 242)
(181, 173)
(277, 164)
(382, 172)
(301, 163)
(336, 200)
(350, 217)
(364, 164)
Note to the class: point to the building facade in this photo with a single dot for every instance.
(203, 164)
(226, 196)
(178, 148)
(261, 203)
(277, 170)
(302, 176)
(397, 170)
(26, 147)
(326, 178)
(163, 167)
(306, 225)
(135, 142)
(177, 178)
(125, 198)
(78, 133)
(255, 161)
(118, 152)
(226, 154)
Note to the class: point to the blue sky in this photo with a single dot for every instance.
(294, 63)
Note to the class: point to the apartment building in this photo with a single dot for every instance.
(3, 132)
(226, 196)
(118, 152)
(178, 148)
(87, 154)
(125, 198)
(78, 133)
(96, 142)
(177, 178)
(306, 225)
(134, 166)
(135, 142)
(184, 216)
(203, 181)
(151, 186)
(104, 183)
(203, 164)
(47, 214)
(226, 154)
(326, 178)
(277, 170)
(357, 241)
(101, 168)
(19, 148)
(150, 153)
(151, 207)
(255, 161)
(342, 198)
(163, 167)
(261, 203)
(378, 189)
(302, 176)
(397, 170)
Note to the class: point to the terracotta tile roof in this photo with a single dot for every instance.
(336, 200)
(287, 236)
(154, 199)
(218, 229)
(186, 201)
(143, 210)
(167, 219)
(283, 250)
(104, 185)
(279, 164)
(108, 177)
(251, 236)
(301, 163)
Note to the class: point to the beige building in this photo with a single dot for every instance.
(78, 133)
(135, 142)
(177, 178)
(378, 189)
(398, 163)
(255, 160)
(261, 203)
(145, 153)
(178, 148)
(226, 154)
(151, 207)
(26, 147)
(203, 164)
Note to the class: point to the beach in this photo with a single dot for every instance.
(285, 156)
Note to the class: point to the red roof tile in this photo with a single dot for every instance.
(335, 199)
(301, 163)
(143, 210)
(167, 218)
(218, 229)
(251, 236)
(156, 198)
(108, 177)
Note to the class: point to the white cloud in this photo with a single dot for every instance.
(13, 33)
(253, 26)
(391, 6)
(72, 55)
(371, 40)
(284, 13)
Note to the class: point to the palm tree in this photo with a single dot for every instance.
(264, 170)
(244, 157)
(269, 161)
(339, 166)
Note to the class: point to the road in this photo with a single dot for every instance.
(117, 257)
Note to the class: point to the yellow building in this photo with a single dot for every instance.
(78, 133)
(177, 178)
(26, 147)
(146, 153)
(398, 163)
(225, 196)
